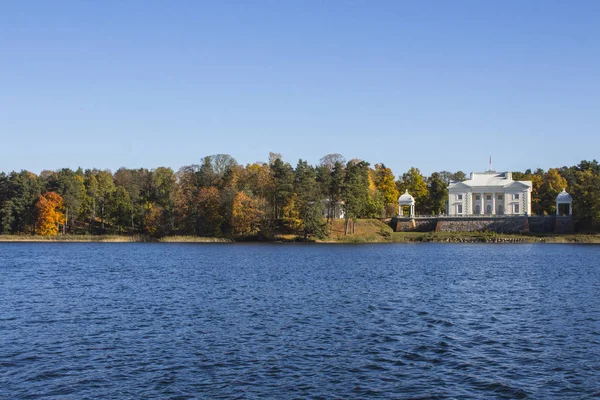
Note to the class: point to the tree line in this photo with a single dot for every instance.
(221, 198)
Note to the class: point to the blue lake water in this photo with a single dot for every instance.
(257, 321)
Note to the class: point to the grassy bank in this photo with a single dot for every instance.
(193, 239)
(488, 237)
(364, 231)
(374, 231)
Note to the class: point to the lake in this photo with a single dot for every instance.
(283, 321)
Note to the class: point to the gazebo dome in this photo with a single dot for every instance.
(406, 199)
(564, 197)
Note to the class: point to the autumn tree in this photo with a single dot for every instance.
(537, 180)
(414, 182)
(247, 214)
(153, 219)
(552, 184)
(385, 183)
(257, 178)
(49, 214)
(209, 211)
(70, 185)
(163, 194)
(586, 198)
(120, 208)
(185, 200)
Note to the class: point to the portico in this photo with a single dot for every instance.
(488, 203)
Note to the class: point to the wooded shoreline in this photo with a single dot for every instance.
(270, 201)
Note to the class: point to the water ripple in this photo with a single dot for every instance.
(170, 321)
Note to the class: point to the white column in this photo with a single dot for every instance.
(482, 209)
(493, 203)
(570, 209)
(557, 209)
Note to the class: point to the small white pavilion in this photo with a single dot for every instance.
(406, 200)
(564, 199)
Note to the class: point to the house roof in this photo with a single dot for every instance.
(490, 179)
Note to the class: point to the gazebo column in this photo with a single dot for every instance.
(570, 209)
(412, 210)
(557, 213)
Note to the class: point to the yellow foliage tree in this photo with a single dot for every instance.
(49, 214)
(152, 218)
(291, 213)
(246, 214)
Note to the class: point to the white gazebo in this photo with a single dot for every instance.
(406, 200)
(564, 198)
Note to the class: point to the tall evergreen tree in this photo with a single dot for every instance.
(283, 176)
(355, 192)
(438, 193)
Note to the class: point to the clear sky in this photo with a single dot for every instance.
(439, 85)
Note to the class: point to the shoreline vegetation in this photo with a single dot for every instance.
(265, 201)
(367, 231)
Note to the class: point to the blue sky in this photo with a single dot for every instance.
(439, 85)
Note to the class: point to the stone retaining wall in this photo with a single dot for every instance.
(551, 224)
(414, 225)
(541, 224)
(482, 224)
(564, 225)
(498, 224)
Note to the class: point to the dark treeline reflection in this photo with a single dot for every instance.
(220, 197)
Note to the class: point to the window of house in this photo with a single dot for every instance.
(488, 197)
(500, 197)
(516, 208)
(459, 208)
(477, 197)
(516, 196)
(459, 197)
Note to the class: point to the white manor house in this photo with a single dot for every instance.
(489, 193)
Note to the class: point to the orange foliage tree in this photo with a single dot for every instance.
(49, 214)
